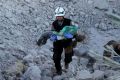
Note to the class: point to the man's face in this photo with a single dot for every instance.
(60, 18)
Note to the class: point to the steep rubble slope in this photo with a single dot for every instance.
(23, 21)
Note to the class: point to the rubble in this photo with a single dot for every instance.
(84, 75)
(113, 15)
(23, 21)
(101, 4)
(33, 72)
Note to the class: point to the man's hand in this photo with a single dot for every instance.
(44, 37)
(41, 41)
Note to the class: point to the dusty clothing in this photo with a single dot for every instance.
(59, 45)
(58, 25)
(58, 49)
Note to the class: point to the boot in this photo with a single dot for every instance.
(59, 72)
(66, 65)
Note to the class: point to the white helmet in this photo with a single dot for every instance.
(60, 11)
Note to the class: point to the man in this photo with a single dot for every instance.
(59, 45)
(115, 46)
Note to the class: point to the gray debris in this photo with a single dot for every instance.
(33, 72)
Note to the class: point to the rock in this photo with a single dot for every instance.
(1, 76)
(47, 64)
(46, 78)
(111, 0)
(101, 4)
(51, 0)
(109, 73)
(84, 75)
(98, 75)
(47, 72)
(72, 79)
(47, 24)
(16, 33)
(43, 1)
(112, 15)
(81, 50)
(73, 65)
(67, 0)
(102, 26)
(14, 71)
(40, 59)
(58, 77)
(96, 25)
(29, 58)
(32, 73)
(114, 77)
(83, 62)
(33, 52)
(28, 1)
(90, 1)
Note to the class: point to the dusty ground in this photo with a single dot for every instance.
(23, 21)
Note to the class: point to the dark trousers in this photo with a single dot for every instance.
(58, 47)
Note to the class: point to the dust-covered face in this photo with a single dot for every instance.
(59, 18)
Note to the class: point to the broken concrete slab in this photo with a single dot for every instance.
(33, 72)
(17, 70)
(112, 15)
(84, 75)
(98, 75)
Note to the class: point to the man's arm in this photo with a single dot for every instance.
(44, 37)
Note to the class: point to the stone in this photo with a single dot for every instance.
(58, 77)
(29, 58)
(112, 15)
(111, 0)
(98, 75)
(28, 1)
(102, 26)
(101, 4)
(1, 76)
(90, 1)
(73, 65)
(47, 24)
(84, 75)
(109, 73)
(72, 79)
(43, 1)
(15, 70)
(46, 78)
(32, 73)
(114, 78)
(51, 0)
(80, 51)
